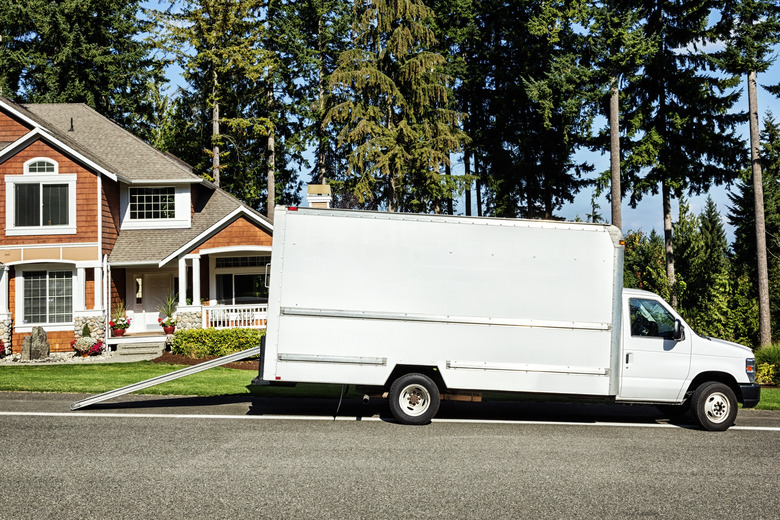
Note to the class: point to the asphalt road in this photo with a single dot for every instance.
(151, 457)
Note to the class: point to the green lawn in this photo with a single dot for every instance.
(102, 377)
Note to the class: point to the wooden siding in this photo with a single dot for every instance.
(10, 129)
(238, 233)
(110, 214)
(118, 288)
(86, 196)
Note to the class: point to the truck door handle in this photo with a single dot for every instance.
(628, 358)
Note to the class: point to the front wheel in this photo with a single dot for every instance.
(414, 399)
(714, 406)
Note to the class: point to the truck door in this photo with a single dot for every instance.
(655, 364)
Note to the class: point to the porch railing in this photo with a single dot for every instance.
(251, 316)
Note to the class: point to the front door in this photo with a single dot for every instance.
(151, 289)
(655, 365)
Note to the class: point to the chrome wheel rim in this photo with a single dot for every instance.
(414, 400)
(717, 407)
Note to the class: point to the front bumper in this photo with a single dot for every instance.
(751, 394)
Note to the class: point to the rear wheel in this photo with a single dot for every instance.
(414, 399)
(714, 406)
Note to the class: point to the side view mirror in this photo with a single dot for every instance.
(679, 331)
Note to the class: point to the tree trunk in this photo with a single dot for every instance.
(321, 138)
(448, 173)
(614, 153)
(667, 202)
(765, 326)
(215, 143)
(271, 175)
(467, 166)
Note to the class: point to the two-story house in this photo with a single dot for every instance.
(93, 216)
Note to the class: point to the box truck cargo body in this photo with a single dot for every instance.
(425, 306)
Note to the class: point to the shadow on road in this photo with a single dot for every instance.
(573, 412)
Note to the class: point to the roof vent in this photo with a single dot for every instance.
(71, 125)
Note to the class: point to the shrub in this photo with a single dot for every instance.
(767, 374)
(769, 354)
(200, 343)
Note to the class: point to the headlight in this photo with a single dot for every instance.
(750, 369)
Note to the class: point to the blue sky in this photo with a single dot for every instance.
(648, 214)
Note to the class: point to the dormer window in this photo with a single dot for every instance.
(155, 207)
(40, 201)
(152, 203)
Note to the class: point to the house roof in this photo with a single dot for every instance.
(113, 150)
(109, 144)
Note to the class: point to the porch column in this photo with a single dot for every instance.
(182, 281)
(98, 287)
(4, 289)
(79, 292)
(195, 279)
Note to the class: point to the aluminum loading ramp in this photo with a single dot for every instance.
(224, 360)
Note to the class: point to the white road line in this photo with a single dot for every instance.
(364, 419)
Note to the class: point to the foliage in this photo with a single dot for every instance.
(767, 374)
(119, 319)
(390, 107)
(87, 345)
(214, 342)
(643, 265)
(168, 304)
(769, 354)
(87, 51)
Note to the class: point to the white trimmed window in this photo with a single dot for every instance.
(152, 203)
(241, 280)
(40, 201)
(155, 207)
(46, 296)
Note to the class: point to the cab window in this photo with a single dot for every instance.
(650, 319)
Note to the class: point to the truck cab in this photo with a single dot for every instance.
(664, 361)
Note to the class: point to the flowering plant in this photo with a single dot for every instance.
(119, 320)
(169, 321)
(119, 323)
(167, 308)
(87, 346)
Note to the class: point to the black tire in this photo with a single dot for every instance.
(414, 399)
(714, 406)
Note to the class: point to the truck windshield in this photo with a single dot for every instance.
(650, 319)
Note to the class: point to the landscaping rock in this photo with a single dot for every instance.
(35, 346)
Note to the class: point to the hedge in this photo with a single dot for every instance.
(201, 343)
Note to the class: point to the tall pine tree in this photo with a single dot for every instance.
(87, 51)
(390, 106)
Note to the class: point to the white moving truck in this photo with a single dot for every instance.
(425, 307)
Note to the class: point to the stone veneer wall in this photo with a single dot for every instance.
(97, 325)
(189, 320)
(6, 333)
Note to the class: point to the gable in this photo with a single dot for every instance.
(10, 129)
(240, 232)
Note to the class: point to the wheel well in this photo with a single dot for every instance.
(720, 377)
(430, 371)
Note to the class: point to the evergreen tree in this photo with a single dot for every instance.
(390, 106)
(752, 27)
(644, 266)
(617, 41)
(86, 51)
(703, 270)
(680, 129)
(742, 216)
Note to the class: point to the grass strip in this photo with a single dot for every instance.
(102, 377)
